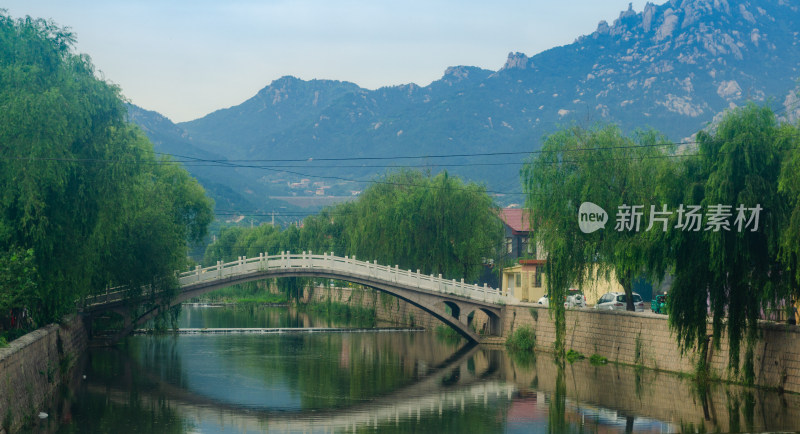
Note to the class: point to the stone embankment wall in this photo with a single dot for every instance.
(645, 339)
(642, 339)
(33, 366)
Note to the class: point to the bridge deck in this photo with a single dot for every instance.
(344, 266)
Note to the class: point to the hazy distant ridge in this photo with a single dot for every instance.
(671, 67)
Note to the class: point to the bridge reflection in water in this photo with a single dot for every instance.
(517, 394)
(468, 378)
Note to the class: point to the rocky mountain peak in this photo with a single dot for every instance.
(456, 73)
(516, 60)
(661, 23)
(628, 13)
(647, 16)
(670, 67)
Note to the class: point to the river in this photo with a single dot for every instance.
(380, 381)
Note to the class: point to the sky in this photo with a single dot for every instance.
(187, 58)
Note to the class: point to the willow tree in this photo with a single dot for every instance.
(789, 185)
(325, 231)
(618, 174)
(728, 264)
(81, 191)
(437, 224)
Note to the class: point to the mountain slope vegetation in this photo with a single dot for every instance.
(672, 67)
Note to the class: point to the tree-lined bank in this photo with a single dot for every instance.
(722, 221)
(85, 204)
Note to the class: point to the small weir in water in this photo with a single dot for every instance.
(246, 330)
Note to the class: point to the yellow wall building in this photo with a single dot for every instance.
(527, 282)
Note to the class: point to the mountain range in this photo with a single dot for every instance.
(672, 67)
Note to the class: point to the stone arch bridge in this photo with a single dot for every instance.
(451, 301)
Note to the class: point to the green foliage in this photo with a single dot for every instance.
(637, 351)
(168, 320)
(262, 299)
(573, 355)
(524, 359)
(557, 411)
(81, 191)
(233, 242)
(17, 279)
(244, 293)
(522, 339)
(597, 359)
(747, 161)
(447, 333)
(789, 185)
(604, 167)
(361, 316)
(734, 274)
(107, 323)
(434, 224)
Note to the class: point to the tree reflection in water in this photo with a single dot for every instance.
(392, 382)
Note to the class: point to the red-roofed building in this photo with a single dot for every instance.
(525, 279)
(518, 232)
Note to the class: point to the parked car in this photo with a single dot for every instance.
(575, 298)
(659, 303)
(544, 301)
(617, 301)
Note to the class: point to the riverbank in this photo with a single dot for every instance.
(34, 366)
(634, 339)
(645, 340)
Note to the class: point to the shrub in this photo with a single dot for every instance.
(597, 359)
(573, 355)
(522, 339)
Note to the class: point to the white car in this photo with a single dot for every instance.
(575, 298)
(617, 301)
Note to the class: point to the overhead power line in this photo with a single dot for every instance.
(417, 157)
(196, 161)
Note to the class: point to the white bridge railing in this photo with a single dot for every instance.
(337, 265)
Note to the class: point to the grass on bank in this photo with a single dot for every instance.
(9, 335)
(522, 339)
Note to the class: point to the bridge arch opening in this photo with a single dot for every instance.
(484, 321)
(453, 308)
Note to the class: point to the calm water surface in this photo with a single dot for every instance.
(379, 381)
